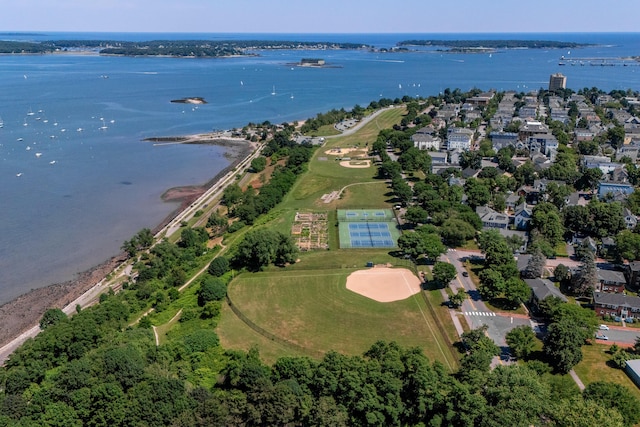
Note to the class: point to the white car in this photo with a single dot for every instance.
(602, 337)
(604, 328)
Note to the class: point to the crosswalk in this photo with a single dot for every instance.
(479, 313)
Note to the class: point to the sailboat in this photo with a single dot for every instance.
(103, 127)
(273, 92)
(30, 113)
(1, 123)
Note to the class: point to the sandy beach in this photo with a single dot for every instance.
(22, 313)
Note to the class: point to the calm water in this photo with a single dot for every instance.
(89, 190)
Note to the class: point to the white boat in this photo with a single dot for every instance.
(1, 123)
(52, 162)
(30, 113)
(103, 127)
(19, 174)
(28, 148)
(79, 129)
(38, 154)
(273, 92)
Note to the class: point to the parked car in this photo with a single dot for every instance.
(604, 328)
(629, 320)
(617, 319)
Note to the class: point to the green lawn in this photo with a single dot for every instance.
(314, 310)
(593, 367)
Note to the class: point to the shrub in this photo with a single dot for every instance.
(218, 266)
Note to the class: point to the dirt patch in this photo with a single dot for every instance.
(384, 284)
(356, 164)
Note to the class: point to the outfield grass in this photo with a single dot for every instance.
(313, 309)
(593, 367)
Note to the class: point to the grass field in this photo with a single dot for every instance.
(307, 304)
(314, 310)
(593, 367)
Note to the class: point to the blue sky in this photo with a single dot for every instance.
(326, 16)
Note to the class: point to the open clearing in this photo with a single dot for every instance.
(313, 309)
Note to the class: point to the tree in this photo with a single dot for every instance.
(516, 291)
(211, 289)
(416, 215)
(561, 273)
(628, 245)
(218, 266)
(616, 136)
(458, 298)
(612, 395)
(456, 232)
(52, 317)
(262, 247)
(477, 192)
(480, 348)
(521, 341)
(563, 345)
(585, 281)
(443, 273)
(535, 266)
(578, 412)
(432, 245)
(546, 219)
(258, 164)
(411, 244)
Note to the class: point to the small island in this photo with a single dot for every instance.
(190, 100)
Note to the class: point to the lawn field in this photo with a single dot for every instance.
(314, 310)
(593, 367)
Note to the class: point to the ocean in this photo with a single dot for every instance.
(77, 179)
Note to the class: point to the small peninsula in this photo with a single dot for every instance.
(171, 48)
(470, 46)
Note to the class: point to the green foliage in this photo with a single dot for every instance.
(258, 164)
(262, 247)
(52, 317)
(201, 341)
(218, 266)
(211, 289)
(521, 341)
(443, 273)
(611, 395)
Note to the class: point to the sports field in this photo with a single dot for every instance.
(314, 309)
(367, 228)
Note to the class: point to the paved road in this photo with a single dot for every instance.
(475, 311)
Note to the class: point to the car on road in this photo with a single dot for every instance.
(602, 337)
(604, 328)
(465, 274)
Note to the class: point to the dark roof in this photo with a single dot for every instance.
(611, 276)
(616, 299)
(543, 288)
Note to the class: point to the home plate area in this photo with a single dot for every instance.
(384, 284)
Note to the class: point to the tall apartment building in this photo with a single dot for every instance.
(557, 81)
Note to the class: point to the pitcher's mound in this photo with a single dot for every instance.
(384, 284)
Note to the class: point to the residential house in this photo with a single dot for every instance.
(630, 151)
(491, 218)
(481, 99)
(632, 274)
(610, 281)
(530, 128)
(528, 111)
(426, 142)
(630, 220)
(459, 138)
(614, 188)
(584, 135)
(632, 368)
(449, 112)
(503, 139)
(616, 305)
(542, 289)
(522, 216)
(438, 157)
(512, 201)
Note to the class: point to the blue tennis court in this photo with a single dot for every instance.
(367, 235)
